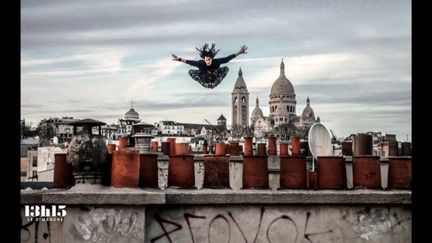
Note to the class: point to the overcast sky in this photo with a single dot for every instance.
(89, 59)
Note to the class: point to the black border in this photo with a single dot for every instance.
(421, 201)
(10, 142)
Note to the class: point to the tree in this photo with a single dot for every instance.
(27, 132)
(23, 129)
(238, 131)
(286, 130)
(45, 134)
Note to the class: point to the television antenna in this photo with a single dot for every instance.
(219, 133)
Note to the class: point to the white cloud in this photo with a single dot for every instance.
(144, 86)
(98, 60)
(264, 79)
(298, 69)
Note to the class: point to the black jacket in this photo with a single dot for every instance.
(215, 64)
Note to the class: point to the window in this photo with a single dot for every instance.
(34, 161)
(95, 131)
(243, 99)
(79, 130)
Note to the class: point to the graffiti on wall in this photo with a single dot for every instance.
(227, 218)
(107, 224)
(248, 224)
(35, 231)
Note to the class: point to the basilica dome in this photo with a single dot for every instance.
(282, 86)
(131, 114)
(257, 112)
(308, 113)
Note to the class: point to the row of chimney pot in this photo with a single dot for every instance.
(88, 161)
(361, 145)
(130, 168)
(233, 148)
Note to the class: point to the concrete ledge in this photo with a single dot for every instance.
(92, 194)
(36, 184)
(208, 196)
(236, 158)
(349, 159)
(129, 196)
(32, 196)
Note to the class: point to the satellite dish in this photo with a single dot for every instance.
(319, 141)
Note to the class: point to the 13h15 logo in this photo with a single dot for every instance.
(45, 212)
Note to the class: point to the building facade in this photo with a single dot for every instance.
(282, 101)
(169, 128)
(240, 102)
(58, 128)
(282, 115)
(260, 124)
(123, 127)
(29, 166)
(131, 117)
(221, 121)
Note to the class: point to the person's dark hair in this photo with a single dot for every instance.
(205, 51)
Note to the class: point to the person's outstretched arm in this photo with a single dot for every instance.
(242, 50)
(190, 62)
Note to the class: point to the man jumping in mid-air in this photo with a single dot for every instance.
(209, 74)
